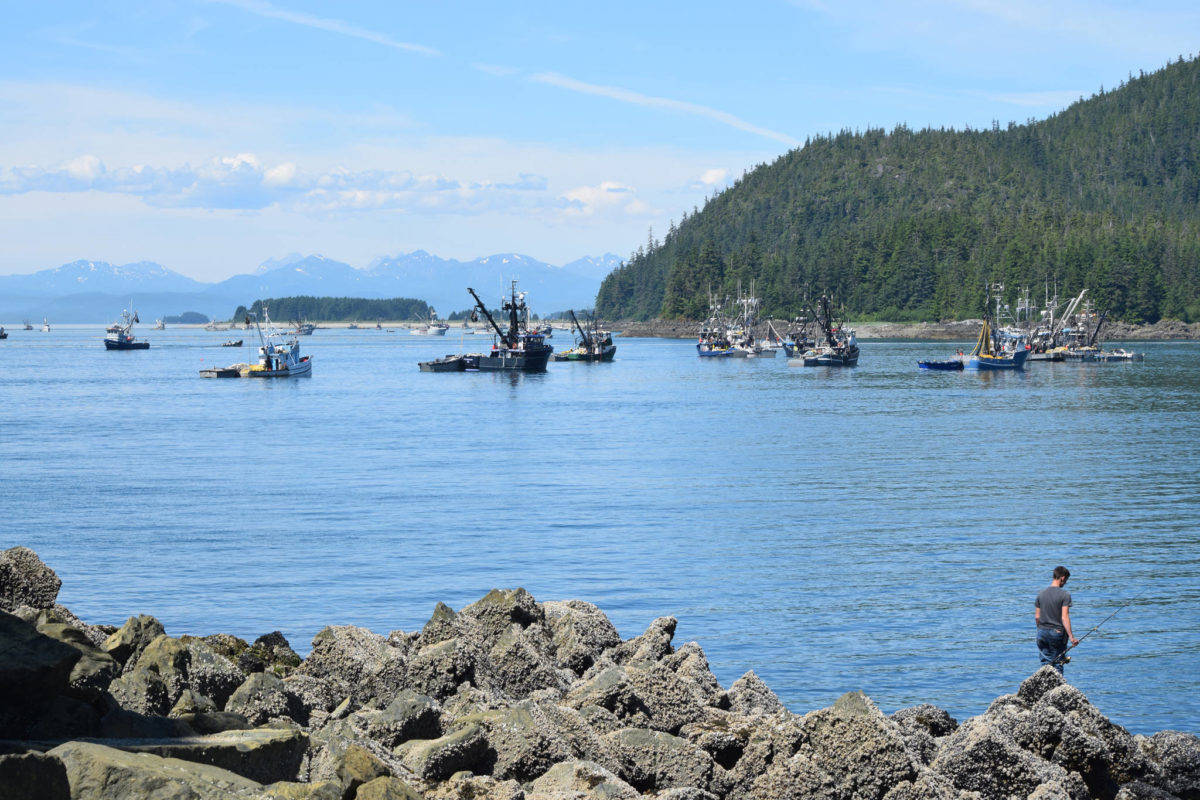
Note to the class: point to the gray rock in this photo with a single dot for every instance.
(265, 755)
(580, 780)
(25, 580)
(33, 776)
(143, 692)
(749, 696)
(522, 743)
(442, 625)
(500, 609)
(668, 701)
(408, 716)
(1040, 682)
(690, 664)
(387, 789)
(188, 663)
(310, 696)
(580, 633)
(34, 668)
(652, 761)
(227, 645)
(96, 772)
(980, 757)
(650, 647)
(356, 767)
(292, 790)
(269, 652)
(438, 759)
(131, 638)
(358, 664)
(438, 669)
(1143, 791)
(1177, 757)
(261, 698)
(121, 723)
(94, 670)
(520, 662)
(922, 726)
(468, 786)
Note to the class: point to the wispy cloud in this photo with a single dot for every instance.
(265, 9)
(1053, 99)
(639, 99)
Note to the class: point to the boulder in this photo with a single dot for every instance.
(922, 726)
(500, 609)
(269, 652)
(331, 746)
(1177, 759)
(131, 638)
(438, 759)
(1137, 790)
(387, 789)
(980, 757)
(520, 662)
(408, 716)
(188, 663)
(666, 700)
(690, 664)
(847, 751)
(95, 669)
(357, 767)
(749, 696)
(227, 645)
(580, 633)
(144, 692)
(1040, 682)
(522, 744)
(121, 723)
(652, 761)
(358, 663)
(648, 648)
(265, 755)
(96, 772)
(580, 780)
(261, 698)
(468, 786)
(292, 790)
(34, 668)
(442, 625)
(310, 697)
(35, 776)
(25, 580)
(437, 670)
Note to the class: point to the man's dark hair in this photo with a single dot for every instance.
(1061, 572)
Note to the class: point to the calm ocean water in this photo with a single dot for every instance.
(873, 528)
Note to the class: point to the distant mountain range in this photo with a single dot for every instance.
(96, 291)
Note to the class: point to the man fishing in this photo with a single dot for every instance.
(1052, 613)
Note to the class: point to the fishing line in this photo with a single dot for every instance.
(1064, 658)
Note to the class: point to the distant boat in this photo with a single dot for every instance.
(990, 354)
(28, 327)
(159, 325)
(518, 349)
(840, 348)
(278, 357)
(45, 325)
(233, 343)
(449, 363)
(119, 335)
(353, 326)
(594, 344)
(3, 333)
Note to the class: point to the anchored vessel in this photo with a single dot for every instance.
(594, 344)
(277, 357)
(994, 352)
(45, 325)
(840, 348)
(3, 333)
(518, 349)
(119, 335)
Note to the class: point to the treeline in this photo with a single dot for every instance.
(338, 309)
(910, 225)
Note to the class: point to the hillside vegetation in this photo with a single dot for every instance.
(910, 225)
(338, 309)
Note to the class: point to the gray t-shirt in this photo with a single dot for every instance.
(1051, 601)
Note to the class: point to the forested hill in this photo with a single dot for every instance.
(338, 309)
(910, 225)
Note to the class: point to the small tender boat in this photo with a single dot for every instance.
(952, 364)
(1120, 354)
(234, 371)
(232, 343)
(449, 363)
(119, 335)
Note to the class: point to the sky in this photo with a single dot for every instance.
(210, 135)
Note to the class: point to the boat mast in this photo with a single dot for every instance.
(584, 339)
(488, 315)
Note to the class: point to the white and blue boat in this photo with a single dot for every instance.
(278, 357)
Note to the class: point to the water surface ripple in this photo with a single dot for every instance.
(873, 528)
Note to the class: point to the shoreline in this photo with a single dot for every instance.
(961, 330)
(508, 698)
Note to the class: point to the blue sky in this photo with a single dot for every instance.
(210, 135)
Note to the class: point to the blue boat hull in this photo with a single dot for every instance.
(991, 364)
(942, 365)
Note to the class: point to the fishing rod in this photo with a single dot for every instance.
(1065, 659)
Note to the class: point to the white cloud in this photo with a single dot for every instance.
(498, 70)
(604, 198)
(265, 9)
(636, 98)
(712, 177)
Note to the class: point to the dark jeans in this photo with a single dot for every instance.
(1052, 644)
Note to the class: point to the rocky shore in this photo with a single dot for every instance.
(961, 330)
(506, 699)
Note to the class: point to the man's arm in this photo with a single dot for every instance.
(1066, 614)
(1037, 615)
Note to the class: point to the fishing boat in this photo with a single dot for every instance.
(353, 326)
(45, 325)
(159, 325)
(714, 340)
(953, 364)
(303, 327)
(3, 333)
(593, 344)
(28, 327)
(234, 371)
(119, 335)
(232, 343)
(991, 353)
(517, 349)
(277, 357)
(839, 348)
(1120, 354)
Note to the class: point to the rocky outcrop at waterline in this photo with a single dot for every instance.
(506, 699)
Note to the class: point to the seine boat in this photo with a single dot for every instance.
(233, 343)
(517, 349)
(840, 348)
(45, 325)
(119, 335)
(593, 345)
(989, 354)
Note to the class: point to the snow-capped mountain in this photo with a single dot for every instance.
(85, 276)
(93, 291)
